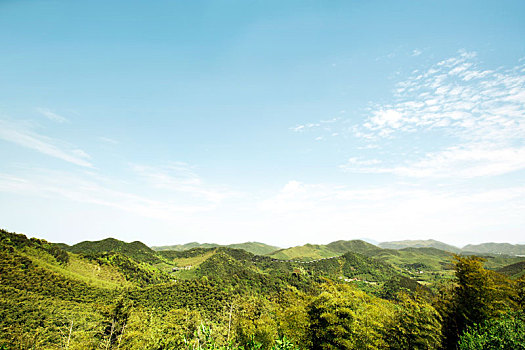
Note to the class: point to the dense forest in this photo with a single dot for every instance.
(345, 295)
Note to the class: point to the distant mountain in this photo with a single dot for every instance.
(356, 246)
(319, 251)
(304, 252)
(256, 248)
(369, 240)
(429, 243)
(495, 248)
(183, 247)
(136, 250)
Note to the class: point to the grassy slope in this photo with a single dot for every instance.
(80, 269)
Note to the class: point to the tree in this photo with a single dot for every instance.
(505, 333)
(342, 317)
(478, 295)
(115, 322)
(415, 325)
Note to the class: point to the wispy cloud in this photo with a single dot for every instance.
(24, 135)
(180, 177)
(52, 115)
(325, 126)
(108, 140)
(304, 127)
(93, 189)
(479, 112)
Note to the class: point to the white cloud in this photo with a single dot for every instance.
(458, 162)
(303, 127)
(180, 177)
(416, 52)
(23, 135)
(52, 115)
(325, 212)
(108, 140)
(93, 189)
(478, 114)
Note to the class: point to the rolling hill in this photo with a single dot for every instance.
(136, 250)
(495, 248)
(429, 243)
(46, 288)
(304, 253)
(252, 247)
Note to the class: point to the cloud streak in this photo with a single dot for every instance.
(52, 115)
(91, 189)
(180, 177)
(23, 135)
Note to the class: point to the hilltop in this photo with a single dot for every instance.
(483, 248)
(252, 247)
(495, 248)
(136, 250)
(429, 243)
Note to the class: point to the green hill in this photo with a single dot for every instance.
(106, 291)
(136, 250)
(186, 246)
(514, 271)
(356, 246)
(256, 248)
(429, 243)
(252, 247)
(319, 251)
(304, 252)
(495, 248)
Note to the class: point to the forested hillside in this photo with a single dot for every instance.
(111, 294)
(429, 243)
(252, 247)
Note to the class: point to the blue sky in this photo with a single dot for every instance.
(283, 122)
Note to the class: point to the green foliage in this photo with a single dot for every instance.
(304, 253)
(429, 243)
(251, 247)
(355, 246)
(342, 317)
(136, 250)
(140, 273)
(115, 295)
(496, 248)
(360, 266)
(515, 270)
(400, 284)
(520, 293)
(115, 321)
(506, 333)
(479, 295)
(284, 344)
(415, 325)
